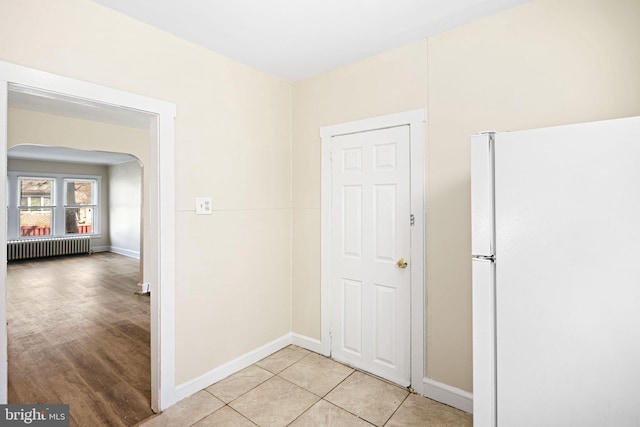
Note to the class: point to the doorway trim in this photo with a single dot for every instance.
(160, 262)
(415, 119)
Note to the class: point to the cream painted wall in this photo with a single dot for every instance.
(21, 165)
(31, 127)
(239, 284)
(388, 83)
(232, 142)
(125, 204)
(545, 63)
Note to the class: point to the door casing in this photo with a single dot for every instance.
(159, 259)
(416, 121)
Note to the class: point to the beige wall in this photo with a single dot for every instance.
(238, 132)
(545, 63)
(31, 127)
(125, 208)
(232, 142)
(389, 83)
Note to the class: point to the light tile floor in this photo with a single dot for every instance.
(296, 387)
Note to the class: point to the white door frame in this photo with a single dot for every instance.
(416, 120)
(159, 257)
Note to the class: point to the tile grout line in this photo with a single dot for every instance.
(322, 398)
(353, 370)
(302, 388)
(273, 374)
(374, 377)
(396, 410)
(226, 404)
(319, 398)
(242, 415)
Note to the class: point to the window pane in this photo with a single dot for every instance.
(79, 192)
(78, 220)
(35, 222)
(35, 191)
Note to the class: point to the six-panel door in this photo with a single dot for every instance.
(370, 237)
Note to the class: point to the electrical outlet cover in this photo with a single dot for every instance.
(204, 206)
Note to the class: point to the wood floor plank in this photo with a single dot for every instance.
(125, 400)
(86, 408)
(79, 335)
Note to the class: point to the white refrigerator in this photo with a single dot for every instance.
(556, 276)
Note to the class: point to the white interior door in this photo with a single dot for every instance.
(370, 236)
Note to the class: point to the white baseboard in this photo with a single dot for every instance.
(100, 248)
(435, 390)
(310, 344)
(448, 395)
(187, 389)
(126, 252)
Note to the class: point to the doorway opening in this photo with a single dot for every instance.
(76, 317)
(158, 255)
(77, 334)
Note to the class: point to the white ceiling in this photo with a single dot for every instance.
(289, 39)
(296, 39)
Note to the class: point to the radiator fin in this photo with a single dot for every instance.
(38, 248)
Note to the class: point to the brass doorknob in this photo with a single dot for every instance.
(402, 263)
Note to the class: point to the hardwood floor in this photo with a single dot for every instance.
(79, 335)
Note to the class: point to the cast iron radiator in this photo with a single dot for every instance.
(38, 248)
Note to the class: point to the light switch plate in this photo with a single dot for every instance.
(204, 206)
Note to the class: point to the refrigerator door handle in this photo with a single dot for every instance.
(491, 258)
(482, 189)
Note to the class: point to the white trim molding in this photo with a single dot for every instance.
(448, 395)
(221, 372)
(239, 363)
(310, 344)
(125, 252)
(4, 366)
(159, 260)
(415, 119)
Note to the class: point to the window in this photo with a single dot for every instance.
(35, 208)
(79, 206)
(43, 205)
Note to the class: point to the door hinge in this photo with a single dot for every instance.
(412, 219)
